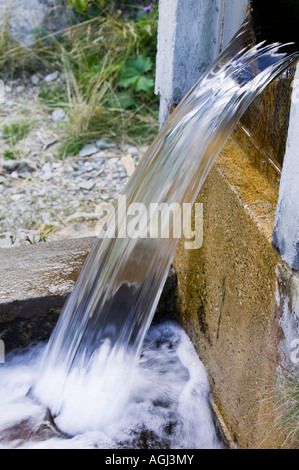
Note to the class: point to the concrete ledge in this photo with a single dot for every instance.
(35, 282)
(39, 271)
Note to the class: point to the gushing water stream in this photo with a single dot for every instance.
(93, 353)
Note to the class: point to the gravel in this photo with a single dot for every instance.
(40, 192)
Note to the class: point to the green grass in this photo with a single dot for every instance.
(9, 154)
(53, 97)
(16, 131)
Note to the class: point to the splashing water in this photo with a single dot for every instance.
(88, 371)
(167, 408)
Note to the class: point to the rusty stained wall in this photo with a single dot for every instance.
(263, 129)
(227, 297)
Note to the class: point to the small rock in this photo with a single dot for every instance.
(133, 151)
(51, 77)
(128, 163)
(34, 154)
(75, 166)
(27, 166)
(2, 179)
(86, 177)
(8, 89)
(11, 165)
(87, 185)
(50, 158)
(16, 197)
(20, 89)
(87, 150)
(103, 144)
(58, 115)
(47, 167)
(35, 79)
(19, 165)
(46, 176)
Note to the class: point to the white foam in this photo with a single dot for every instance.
(164, 398)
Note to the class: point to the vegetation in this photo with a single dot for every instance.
(9, 154)
(41, 238)
(16, 131)
(288, 408)
(107, 62)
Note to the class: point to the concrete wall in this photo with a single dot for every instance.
(190, 36)
(286, 229)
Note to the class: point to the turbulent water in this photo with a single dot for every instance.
(90, 371)
(167, 406)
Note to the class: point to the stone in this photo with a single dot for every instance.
(23, 18)
(12, 166)
(51, 77)
(16, 197)
(88, 150)
(103, 144)
(20, 89)
(35, 79)
(75, 166)
(27, 166)
(87, 185)
(133, 151)
(128, 163)
(59, 115)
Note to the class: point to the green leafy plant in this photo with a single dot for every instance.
(135, 73)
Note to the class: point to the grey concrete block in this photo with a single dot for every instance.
(286, 228)
(191, 35)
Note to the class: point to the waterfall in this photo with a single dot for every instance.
(98, 338)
